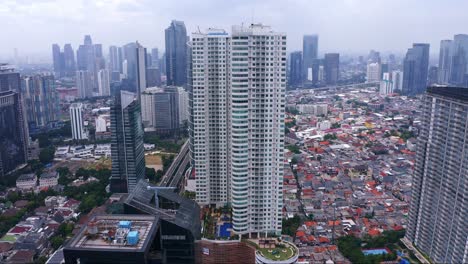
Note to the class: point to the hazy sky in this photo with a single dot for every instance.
(346, 26)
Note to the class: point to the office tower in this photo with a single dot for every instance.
(58, 59)
(153, 77)
(415, 69)
(162, 64)
(437, 216)
(183, 105)
(130, 64)
(155, 58)
(13, 132)
(295, 71)
(310, 53)
(104, 82)
(373, 72)
(41, 101)
(432, 76)
(444, 61)
(459, 60)
(332, 68)
(237, 152)
(397, 80)
(141, 69)
(176, 54)
(76, 119)
(321, 74)
(69, 60)
(9, 79)
(386, 84)
(160, 109)
(84, 84)
(115, 59)
(127, 152)
(90, 58)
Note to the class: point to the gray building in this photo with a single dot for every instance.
(115, 59)
(310, 54)
(176, 53)
(127, 152)
(13, 132)
(295, 69)
(459, 60)
(415, 69)
(332, 68)
(69, 60)
(9, 79)
(41, 101)
(160, 109)
(444, 61)
(58, 60)
(439, 208)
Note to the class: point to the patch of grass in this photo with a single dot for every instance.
(277, 253)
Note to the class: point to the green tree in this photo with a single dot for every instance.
(290, 225)
(294, 149)
(47, 155)
(56, 242)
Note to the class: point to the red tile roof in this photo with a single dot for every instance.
(19, 229)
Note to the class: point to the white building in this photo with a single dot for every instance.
(26, 181)
(84, 84)
(324, 125)
(104, 82)
(386, 84)
(183, 105)
(102, 150)
(373, 72)
(48, 179)
(314, 109)
(238, 134)
(141, 69)
(76, 117)
(101, 124)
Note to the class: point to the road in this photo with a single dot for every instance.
(175, 172)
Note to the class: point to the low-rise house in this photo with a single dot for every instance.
(48, 179)
(21, 257)
(26, 182)
(33, 241)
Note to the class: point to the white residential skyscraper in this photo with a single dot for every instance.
(373, 72)
(84, 84)
(104, 82)
(76, 118)
(237, 130)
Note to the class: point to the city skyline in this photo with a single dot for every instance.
(79, 18)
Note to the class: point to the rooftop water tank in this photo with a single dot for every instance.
(132, 238)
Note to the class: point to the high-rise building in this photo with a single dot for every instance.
(444, 61)
(373, 72)
(127, 151)
(41, 101)
(432, 75)
(13, 132)
(76, 120)
(386, 84)
(9, 79)
(295, 71)
(437, 216)
(153, 77)
(69, 60)
(104, 82)
(415, 69)
(59, 60)
(176, 54)
(84, 84)
(374, 57)
(160, 108)
(155, 58)
(183, 105)
(397, 80)
(237, 152)
(459, 60)
(310, 53)
(115, 59)
(90, 58)
(141, 69)
(332, 68)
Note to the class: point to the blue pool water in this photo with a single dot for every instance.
(223, 230)
(375, 251)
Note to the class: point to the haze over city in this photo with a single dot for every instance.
(345, 26)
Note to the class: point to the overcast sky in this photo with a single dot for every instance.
(345, 26)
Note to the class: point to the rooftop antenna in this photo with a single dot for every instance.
(253, 15)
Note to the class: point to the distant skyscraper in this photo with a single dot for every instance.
(160, 108)
(59, 61)
(310, 53)
(76, 120)
(176, 54)
(415, 69)
(438, 211)
(444, 61)
(90, 58)
(13, 132)
(459, 60)
(127, 151)
(9, 79)
(41, 101)
(84, 84)
(69, 60)
(238, 154)
(115, 59)
(373, 72)
(386, 84)
(104, 82)
(332, 68)
(141, 69)
(130, 56)
(397, 81)
(432, 76)
(153, 77)
(155, 58)
(374, 57)
(295, 72)
(183, 105)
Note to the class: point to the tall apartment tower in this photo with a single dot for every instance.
(76, 120)
(141, 63)
(13, 132)
(310, 54)
(69, 60)
(104, 82)
(127, 151)
(444, 61)
(84, 84)
(237, 123)
(374, 70)
(415, 69)
(438, 212)
(176, 53)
